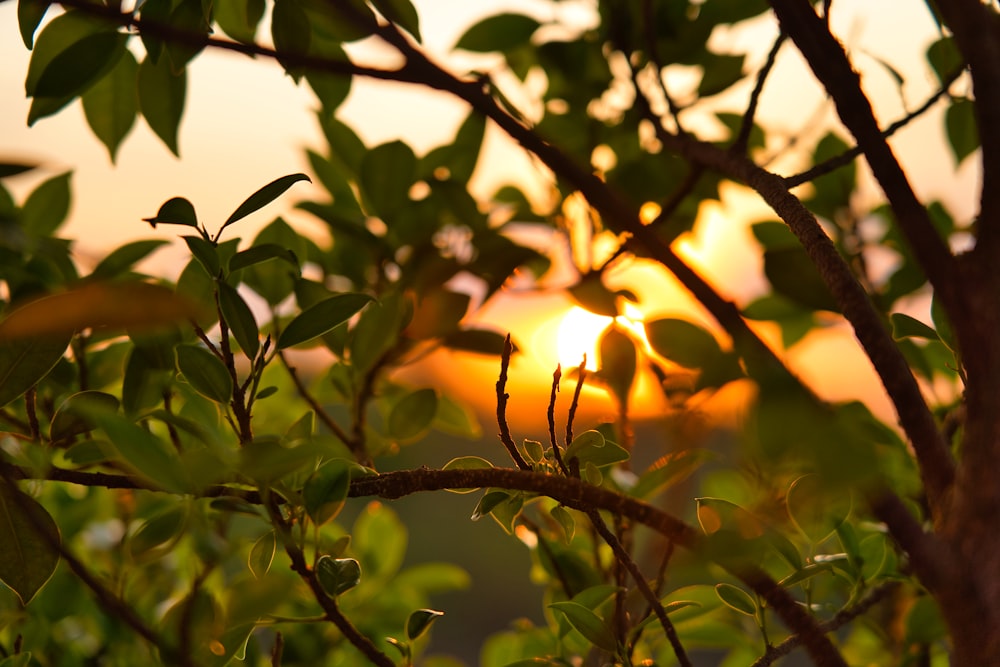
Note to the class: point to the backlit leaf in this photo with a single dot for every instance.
(162, 93)
(264, 196)
(816, 510)
(320, 318)
(26, 359)
(111, 104)
(174, 211)
(736, 598)
(47, 206)
(960, 123)
(466, 463)
(29, 16)
(27, 538)
(589, 624)
(502, 32)
(262, 554)
(124, 257)
(158, 533)
(413, 414)
(387, 172)
(682, 342)
(71, 417)
(403, 14)
(239, 18)
(81, 64)
(325, 491)
(261, 253)
(155, 462)
(239, 318)
(419, 621)
(136, 306)
(338, 575)
(205, 373)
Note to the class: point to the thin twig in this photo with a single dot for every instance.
(323, 415)
(556, 452)
(327, 603)
(746, 126)
(848, 156)
(581, 377)
(623, 558)
(842, 618)
(34, 431)
(108, 601)
(502, 397)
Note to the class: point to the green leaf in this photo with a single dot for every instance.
(320, 318)
(29, 16)
(239, 18)
(944, 57)
(419, 621)
(402, 13)
(112, 104)
(736, 598)
(682, 342)
(261, 253)
(618, 362)
(325, 491)
(290, 32)
(28, 536)
(503, 32)
(815, 509)
(489, 502)
(387, 172)
(960, 124)
(175, 211)
(720, 72)
(46, 208)
(904, 326)
(593, 296)
(591, 447)
(477, 341)
(565, 521)
(162, 93)
(80, 65)
(793, 274)
(239, 318)
(262, 554)
(153, 460)
(206, 253)
(205, 373)
(25, 360)
(8, 168)
(123, 258)
(266, 459)
(466, 463)
(191, 18)
(71, 417)
(670, 469)
(157, 535)
(338, 575)
(264, 196)
(588, 624)
(412, 415)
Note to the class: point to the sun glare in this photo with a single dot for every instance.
(580, 330)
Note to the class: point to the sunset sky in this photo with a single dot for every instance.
(246, 123)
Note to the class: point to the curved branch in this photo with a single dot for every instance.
(830, 64)
(937, 467)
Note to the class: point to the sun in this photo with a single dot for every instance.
(580, 331)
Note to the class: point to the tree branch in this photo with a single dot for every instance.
(976, 29)
(830, 64)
